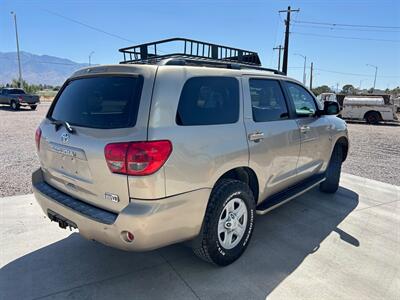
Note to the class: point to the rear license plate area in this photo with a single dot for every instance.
(62, 221)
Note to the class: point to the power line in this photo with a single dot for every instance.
(93, 27)
(88, 26)
(345, 37)
(348, 25)
(346, 29)
(347, 73)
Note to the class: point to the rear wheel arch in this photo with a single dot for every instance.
(243, 174)
(373, 112)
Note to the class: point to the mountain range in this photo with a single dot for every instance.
(36, 69)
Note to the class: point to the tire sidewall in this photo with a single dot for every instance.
(226, 256)
(372, 118)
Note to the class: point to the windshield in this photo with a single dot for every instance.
(99, 102)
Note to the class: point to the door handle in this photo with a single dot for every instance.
(256, 136)
(305, 129)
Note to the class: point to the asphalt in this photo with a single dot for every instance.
(318, 246)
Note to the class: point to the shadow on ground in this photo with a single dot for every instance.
(21, 109)
(76, 268)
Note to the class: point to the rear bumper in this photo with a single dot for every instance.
(154, 223)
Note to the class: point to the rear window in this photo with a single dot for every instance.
(208, 101)
(16, 92)
(99, 102)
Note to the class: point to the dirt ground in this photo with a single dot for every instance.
(374, 152)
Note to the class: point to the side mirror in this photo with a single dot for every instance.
(331, 108)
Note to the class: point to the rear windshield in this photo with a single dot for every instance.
(16, 92)
(99, 102)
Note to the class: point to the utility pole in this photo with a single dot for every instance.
(286, 52)
(311, 75)
(90, 58)
(279, 48)
(19, 58)
(304, 68)
(376, 72)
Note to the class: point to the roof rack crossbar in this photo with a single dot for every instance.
(142, 53)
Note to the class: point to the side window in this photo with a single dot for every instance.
(267, 100)
(208, 101)
(304, 103)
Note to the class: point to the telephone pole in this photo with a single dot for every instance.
(311, 74)
(279, 48)
(19, 58)
(376, 72)
(304, 67)
(90, 58)
(286, 52)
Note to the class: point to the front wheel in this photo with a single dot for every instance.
(331, 183)
(228, 223)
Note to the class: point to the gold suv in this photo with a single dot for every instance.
(168, 148)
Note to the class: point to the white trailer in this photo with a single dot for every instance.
(372, 109)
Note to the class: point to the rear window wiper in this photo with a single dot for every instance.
(59, 123)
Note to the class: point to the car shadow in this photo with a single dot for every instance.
(381, 123)
(21, 109)
(282, 239)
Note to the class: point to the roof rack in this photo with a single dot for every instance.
(192, 52)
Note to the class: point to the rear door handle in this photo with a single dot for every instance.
(305, 129)
(256, 136)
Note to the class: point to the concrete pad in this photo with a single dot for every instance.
(318, 246)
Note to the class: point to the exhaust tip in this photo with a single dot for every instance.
(127, 236)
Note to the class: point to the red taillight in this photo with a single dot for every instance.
(116, 157)
(137, 158)
(38, 135)
(19, 99)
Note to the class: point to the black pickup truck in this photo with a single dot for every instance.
(17, 97)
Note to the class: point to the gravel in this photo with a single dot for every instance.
(374, 150)
(17, 148)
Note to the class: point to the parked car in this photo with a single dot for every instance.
(372, 109)
(182, 148)
(17, 98)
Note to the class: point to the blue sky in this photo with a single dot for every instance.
(255, 25)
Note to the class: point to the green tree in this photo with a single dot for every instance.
(321, 89)
(348, 89)
(28, 88)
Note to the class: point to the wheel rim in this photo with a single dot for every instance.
(232, 223)
(13, 105)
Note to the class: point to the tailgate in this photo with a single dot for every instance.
(30, 99)
(75, 164)
(101, 109)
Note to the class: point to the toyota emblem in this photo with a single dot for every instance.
(65, 138)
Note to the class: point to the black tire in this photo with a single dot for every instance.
(14, 105)
(372, 117)
(207, 245)
(33, 107)
(331, 184)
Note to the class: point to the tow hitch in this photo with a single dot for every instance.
(62, 222)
